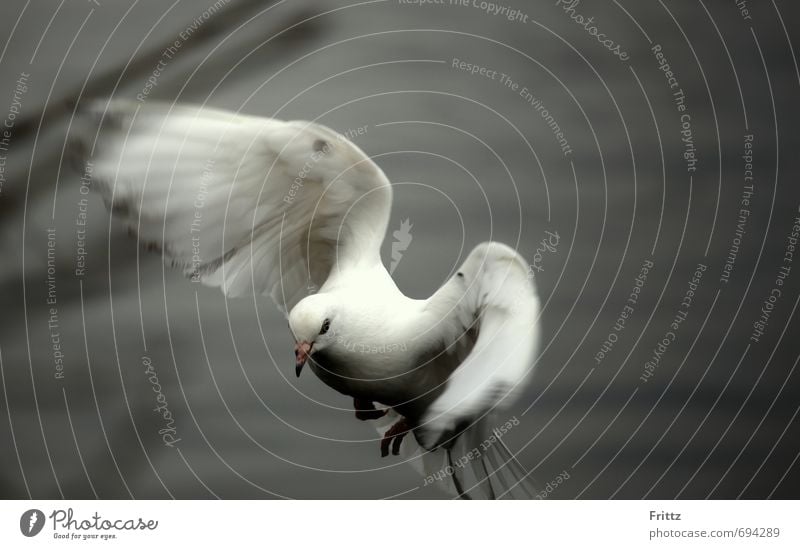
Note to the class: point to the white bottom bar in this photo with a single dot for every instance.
(399, 524)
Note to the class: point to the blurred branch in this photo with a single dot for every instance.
(222, 23)
(55, 115)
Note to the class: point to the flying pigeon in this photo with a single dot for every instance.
(277, 208)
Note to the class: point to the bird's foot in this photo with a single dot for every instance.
(365, 410)
(394, 436)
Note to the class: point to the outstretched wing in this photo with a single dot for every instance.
(490, 313)
(245, 203)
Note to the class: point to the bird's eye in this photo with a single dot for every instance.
(325, 326)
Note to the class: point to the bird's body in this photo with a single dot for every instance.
(256, 205)
(386, 351)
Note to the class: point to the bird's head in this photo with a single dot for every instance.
(311, 323)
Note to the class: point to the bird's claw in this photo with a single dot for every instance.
(365, 410)
(393, 437)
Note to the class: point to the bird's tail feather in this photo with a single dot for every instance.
(483, 467)
(478, 465)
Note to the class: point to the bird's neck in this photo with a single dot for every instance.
(361, 246)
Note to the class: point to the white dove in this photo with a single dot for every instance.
(260, 205)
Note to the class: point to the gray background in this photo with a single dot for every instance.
(472, 161)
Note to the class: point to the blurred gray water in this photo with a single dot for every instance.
(474, 158)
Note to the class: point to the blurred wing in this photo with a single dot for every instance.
(490, 311)
(245, 203)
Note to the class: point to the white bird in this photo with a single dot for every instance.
(252, 204)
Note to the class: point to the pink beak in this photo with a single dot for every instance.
(302, 350)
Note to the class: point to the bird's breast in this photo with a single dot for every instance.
(358, 372)
(393, 377)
